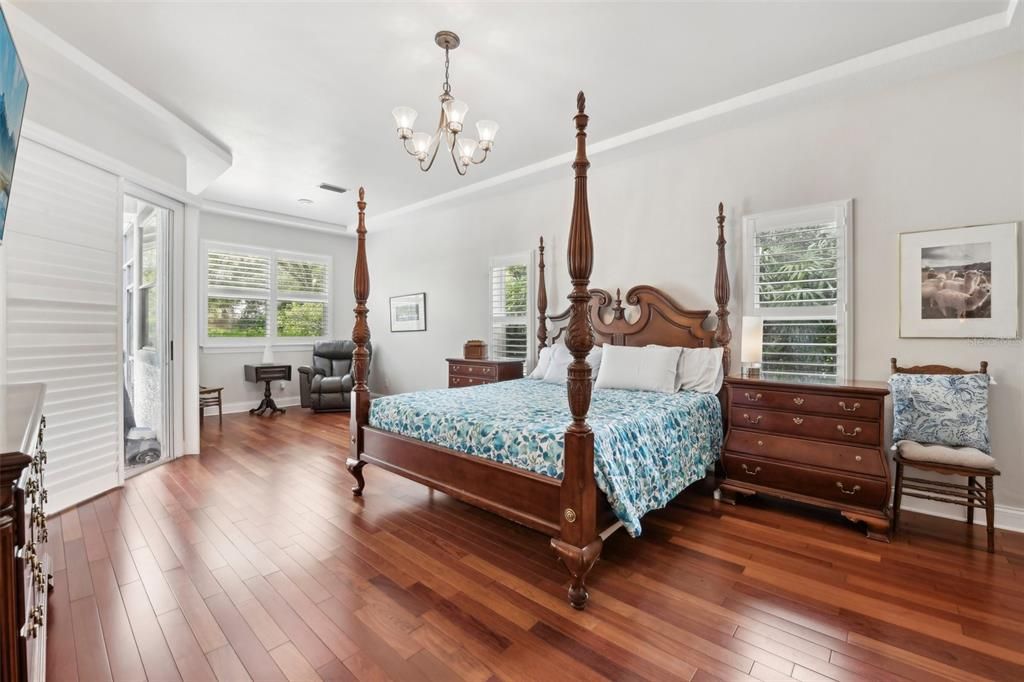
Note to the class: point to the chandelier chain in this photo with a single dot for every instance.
(447, 87)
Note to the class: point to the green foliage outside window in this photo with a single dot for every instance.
(236, 317)
(301, 318)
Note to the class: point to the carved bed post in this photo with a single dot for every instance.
(360, 399)
(542, 302)
(723, 333)
(579, 544)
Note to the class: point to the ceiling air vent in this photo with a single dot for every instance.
(332, 188)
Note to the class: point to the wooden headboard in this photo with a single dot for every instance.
(658, 318)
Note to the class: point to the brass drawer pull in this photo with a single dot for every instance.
(798, 420)
(857, 458)
(757, 396)
(850, 434)
(753, 421)
(749, 472)
(851, 491)
(760, 443)
(798, 401)
(856, 406)
(469, 369)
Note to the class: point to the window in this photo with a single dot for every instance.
(267, 295)
(510, 307)
(797, 273)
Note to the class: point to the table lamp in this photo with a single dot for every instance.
(751, 348)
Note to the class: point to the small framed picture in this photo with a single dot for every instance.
(409, 313)
(960, 282)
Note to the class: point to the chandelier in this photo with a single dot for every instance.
(425, 146)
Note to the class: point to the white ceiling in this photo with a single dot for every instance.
(302, 93)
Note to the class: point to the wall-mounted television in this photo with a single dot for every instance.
(13, 93)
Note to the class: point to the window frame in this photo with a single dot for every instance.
(270, 337)
(520, 258)
(840, 212)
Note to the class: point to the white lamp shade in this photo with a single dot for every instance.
(753, 340)
(487, 130)
(467, 147)
(421, 142)
(455, 111)
(404, 117)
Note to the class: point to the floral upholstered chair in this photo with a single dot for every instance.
(940, 424)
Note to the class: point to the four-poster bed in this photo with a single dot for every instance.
(573, 510)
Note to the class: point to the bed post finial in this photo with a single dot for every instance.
(542, 301)
(578, 544)
(360, 398)
(723, 333)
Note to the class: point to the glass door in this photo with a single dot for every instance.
(147, 345)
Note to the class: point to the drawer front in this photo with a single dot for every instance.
(807, 425)
(839, 487)
(272, 374)
(837, 404)
(479, 371)
(860, 460)
(459, 382)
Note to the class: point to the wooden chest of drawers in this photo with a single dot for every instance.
(821, 444)
(25, 578)
(463, 372)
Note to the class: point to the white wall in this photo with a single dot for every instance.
(224, 367)
(947, 150)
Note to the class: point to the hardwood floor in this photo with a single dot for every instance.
(254, 561)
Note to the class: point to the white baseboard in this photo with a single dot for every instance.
(235, 408)
(1007, 518)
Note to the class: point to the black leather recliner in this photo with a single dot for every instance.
(327, 385)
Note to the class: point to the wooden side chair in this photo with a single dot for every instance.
(211, 397)
(969, 462)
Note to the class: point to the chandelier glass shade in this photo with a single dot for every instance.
(425, 146)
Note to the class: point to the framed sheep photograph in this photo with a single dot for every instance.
(960, 282)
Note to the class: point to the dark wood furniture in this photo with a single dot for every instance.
(210, 396)
(819, 443)
(463, 372)
(572, 511)
(267, 372)
(25, 578)
(973, 495)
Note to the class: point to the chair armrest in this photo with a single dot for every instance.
(347, 382)
(311, 371)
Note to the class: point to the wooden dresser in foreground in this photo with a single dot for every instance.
(463, 372)
(25, 578)
(818, 443)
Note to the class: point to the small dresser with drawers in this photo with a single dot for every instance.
(463, 372)
(25, 578)
(817, 443)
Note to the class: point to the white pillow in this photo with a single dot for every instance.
(641, 369)
(558, 367)
(543, 361)
(702, 369)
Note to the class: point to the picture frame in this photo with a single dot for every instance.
(960, 282)
(408, 312)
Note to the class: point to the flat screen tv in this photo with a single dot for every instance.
(13, 93)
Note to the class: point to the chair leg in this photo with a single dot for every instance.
(201, 416)
(971, 485)
(990, 513)
(897, 497)
(220, 410)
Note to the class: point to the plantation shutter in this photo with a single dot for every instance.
(302, 309)
(510, 318)
(62, 292)
(238, 293)
(797, 278)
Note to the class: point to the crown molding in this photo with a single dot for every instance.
(916, 56)
(205, 159)
(235, 211)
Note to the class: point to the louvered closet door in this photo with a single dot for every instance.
(62, 314)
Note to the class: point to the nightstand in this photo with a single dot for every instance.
(817, 443)
(463, 372)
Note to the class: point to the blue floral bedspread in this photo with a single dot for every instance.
(648, 446)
